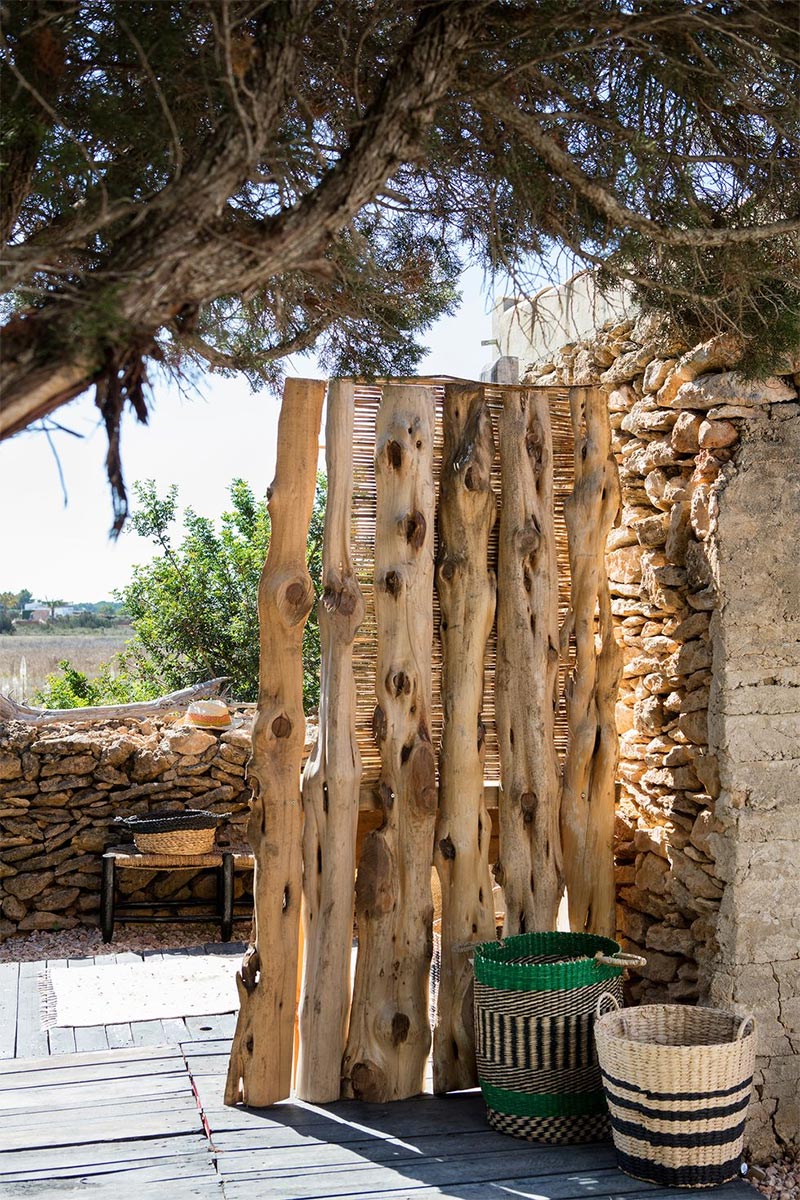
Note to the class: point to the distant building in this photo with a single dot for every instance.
(39, 611)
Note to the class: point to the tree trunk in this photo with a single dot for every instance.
(389, 1034)
(467, 590)
(260, 1069)
(530, 868)
(587, 803)
(331, 784)
(11, 711)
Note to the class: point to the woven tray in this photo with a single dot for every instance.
(190, 832)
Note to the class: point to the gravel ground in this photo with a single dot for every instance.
(777, 1180)
(83, 943)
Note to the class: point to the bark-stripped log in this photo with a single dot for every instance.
(587, 803)
(389, 1034)
(260, 1068)
(331, 784)
(467, 588)
(140, 710)
(530, 869)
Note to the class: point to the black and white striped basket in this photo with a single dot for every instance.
(678, 1082)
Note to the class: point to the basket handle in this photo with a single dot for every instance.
(620, 960)
(745, 1021)
(598, 1012)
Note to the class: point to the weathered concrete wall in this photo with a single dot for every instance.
(754, 734)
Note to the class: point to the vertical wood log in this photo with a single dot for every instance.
(331, 784)
(587, 803)
(389, 1034)
(260, 1068)
(530, 868)
(467, 590)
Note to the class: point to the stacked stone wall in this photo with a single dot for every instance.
(61, 788)
(697, 855)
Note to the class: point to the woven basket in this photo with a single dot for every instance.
(190, 832)
(535, 1001)
(678, 1080)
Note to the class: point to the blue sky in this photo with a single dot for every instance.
(200, 443)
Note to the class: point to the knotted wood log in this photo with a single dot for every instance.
(389, 1035)
(530, 867)
(260, 1068)
(331, 783)
(140, 709)
(587, 802)
(467, 591)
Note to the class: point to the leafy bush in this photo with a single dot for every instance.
(74, 689)
(194, 607)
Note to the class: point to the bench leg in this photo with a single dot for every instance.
(226, 924)
(107, 898)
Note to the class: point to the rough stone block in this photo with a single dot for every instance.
(10, 766)
(28, 885)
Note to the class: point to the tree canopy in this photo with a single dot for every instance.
(224, 182)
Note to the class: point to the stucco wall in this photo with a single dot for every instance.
(754, 731)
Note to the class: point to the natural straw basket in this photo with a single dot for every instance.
(535, 1000)
(189, 832)
(678, 1081)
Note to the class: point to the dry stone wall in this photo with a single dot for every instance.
(705, 580)
(61, 786)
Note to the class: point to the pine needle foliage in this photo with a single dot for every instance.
(224, 182)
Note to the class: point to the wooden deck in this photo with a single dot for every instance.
(139, 1113)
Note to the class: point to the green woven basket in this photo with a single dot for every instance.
(535, 1001)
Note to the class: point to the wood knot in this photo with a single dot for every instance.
(250, 968)
(392, 583)
(378, 724)
(534, 444)
(447, 848)
(385, 797)
(401, 684)
(295, 593)
(448, 568)
(394, 454)
(400, 1027)
(528, 802)
(282, 726)
(415, 527)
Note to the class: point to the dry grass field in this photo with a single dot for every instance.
(26, 659)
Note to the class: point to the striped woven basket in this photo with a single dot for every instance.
(535, 1001)
(678, 1080)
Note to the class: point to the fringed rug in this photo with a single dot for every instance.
(180, 986)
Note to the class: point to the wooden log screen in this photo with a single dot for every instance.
(587, 802)
(260, 1068)
(331, 783)
(389, 1034)
(526, 697)
(554, 688)
(467, 590)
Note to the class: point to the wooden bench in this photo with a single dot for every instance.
(225, 861)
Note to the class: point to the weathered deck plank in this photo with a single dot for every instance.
(31, 1038)
(9, 986)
